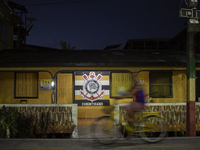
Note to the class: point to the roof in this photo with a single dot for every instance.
(151, 39)
(180, 40)
(147, 43)
(57, 57)
(113, 46)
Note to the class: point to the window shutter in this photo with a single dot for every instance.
(120, 81)
(31, 85)
(161, 82)
(26, 85)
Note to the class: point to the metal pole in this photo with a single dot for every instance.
(191, 79)
(192, 15)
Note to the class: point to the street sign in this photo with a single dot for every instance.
(189, 13)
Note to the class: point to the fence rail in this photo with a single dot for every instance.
(174, 114)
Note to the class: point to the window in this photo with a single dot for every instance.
(120, 82)
(26, 85)
(161, 84)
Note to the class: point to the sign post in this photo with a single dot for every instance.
(192, 15)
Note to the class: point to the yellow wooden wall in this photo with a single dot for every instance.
(179, 84)
(179, 89)
(44, 96)
(97, 111)
(7, 90)
(6, 87)
(87, 114)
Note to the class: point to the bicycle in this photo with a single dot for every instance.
(150, 127)
(150, 100)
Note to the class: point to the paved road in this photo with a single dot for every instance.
(175, 143)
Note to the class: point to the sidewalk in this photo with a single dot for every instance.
(82, 132)
(83, 129)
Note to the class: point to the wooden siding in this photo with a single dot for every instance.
(7, 90)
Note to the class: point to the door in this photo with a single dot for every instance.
(64, 88)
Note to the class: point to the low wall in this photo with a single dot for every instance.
(174, 114)
(63, 117)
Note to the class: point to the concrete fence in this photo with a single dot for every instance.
(174, 114)
(63, 117)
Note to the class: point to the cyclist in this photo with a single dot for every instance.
(137, 92)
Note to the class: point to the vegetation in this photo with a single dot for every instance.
(8, 125)
(66, 46)
(25, 127)
(44, 124)
(15, 125)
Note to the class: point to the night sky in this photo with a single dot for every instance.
(95, 24)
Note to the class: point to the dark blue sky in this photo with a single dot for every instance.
(98, 23)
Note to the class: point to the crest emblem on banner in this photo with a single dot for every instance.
(92, 87)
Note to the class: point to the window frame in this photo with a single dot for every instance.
(171, 80)
(16, 84)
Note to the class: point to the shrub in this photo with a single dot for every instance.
(8, 125)
(25, 127)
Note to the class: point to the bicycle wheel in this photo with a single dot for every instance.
(153, 129)
(104, 130)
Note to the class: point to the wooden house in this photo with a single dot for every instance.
(91, 79)
(75, 86)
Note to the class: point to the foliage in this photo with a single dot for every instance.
(25, 127)
(182, 133)
(2, 132)
(44, 124)
(66, 47)
(7, 121)
(15, 125)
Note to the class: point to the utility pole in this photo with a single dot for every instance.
(192, 15)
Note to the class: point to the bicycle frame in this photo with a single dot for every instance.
(150, 100)
(119, 118)
(149, 126)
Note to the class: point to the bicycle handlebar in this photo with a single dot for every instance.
(150, 94)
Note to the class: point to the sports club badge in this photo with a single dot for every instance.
(92, 87)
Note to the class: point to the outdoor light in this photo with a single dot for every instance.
(52, 83)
